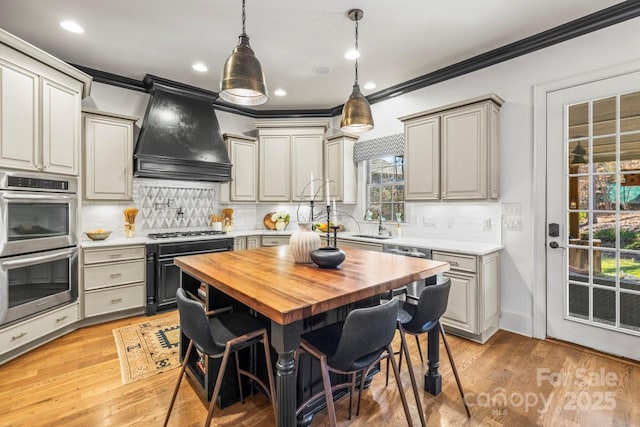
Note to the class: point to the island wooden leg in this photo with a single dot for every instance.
(286, 339)
(433, 379)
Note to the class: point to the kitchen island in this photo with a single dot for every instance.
(268, 281)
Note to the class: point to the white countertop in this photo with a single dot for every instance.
(472, 248)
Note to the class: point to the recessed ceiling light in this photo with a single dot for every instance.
(369, 85)
(72, 27)
(352, 54)
(199, 66)
(321, 69)
(279, 92)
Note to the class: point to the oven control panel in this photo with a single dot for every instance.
(37, 183)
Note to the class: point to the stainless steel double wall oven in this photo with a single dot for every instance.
(38, 244)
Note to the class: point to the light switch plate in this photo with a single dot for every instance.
(511, 209)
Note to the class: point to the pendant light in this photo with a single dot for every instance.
(242, 78)
(356, 113)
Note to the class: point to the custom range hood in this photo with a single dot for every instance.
(180, 137)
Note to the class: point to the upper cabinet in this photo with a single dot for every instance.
(108, 154)
(340, 167)
(243, 155)
(289, 153)
(452, 152)
(39, 109)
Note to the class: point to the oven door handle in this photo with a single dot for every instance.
(24, 196)
(29, 260)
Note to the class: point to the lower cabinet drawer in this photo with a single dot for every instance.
(113, 254)
(114, 299)
(29, 330)
(275, 240)
(457, 261)
(114, 273)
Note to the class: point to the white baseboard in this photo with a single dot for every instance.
(516, 322)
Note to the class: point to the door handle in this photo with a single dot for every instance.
(555, 245)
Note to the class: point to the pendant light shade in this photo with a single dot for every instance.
(242, 81)
(356, 113)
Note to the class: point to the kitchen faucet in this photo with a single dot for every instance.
(380, 226)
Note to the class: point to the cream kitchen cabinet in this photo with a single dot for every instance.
(108, 150)
(239, 243)
(452, 152)
(114, 279)
(253, 242)
(422, 158)
(243, 155)
(474, 300)
(248, 242)
(15, 336)
(289, 153)
(39, 112)
(340, 167)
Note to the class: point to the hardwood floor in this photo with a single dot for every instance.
(75, 381)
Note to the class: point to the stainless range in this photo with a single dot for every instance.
(414, 289)
(163, 276)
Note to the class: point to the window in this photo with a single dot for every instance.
(385, 188)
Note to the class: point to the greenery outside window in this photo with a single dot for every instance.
(385, 188)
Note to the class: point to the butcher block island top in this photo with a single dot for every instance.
(269, 281)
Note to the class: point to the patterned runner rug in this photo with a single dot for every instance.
(148, 348)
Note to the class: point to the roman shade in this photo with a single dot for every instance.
(376, 148)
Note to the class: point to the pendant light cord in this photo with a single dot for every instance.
(244, 18)
(356, 50)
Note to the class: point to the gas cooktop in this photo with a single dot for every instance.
(192, 233)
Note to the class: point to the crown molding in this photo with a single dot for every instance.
(596, 21)
(111, 79)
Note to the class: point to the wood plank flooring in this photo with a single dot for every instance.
(510, 381)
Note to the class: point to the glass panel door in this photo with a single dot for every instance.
(603, 212)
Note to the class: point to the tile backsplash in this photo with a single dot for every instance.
(160, 202)
(170, 206)
(162, 205)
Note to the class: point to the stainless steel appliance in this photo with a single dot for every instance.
(36, 282)
(38, 243)
(163, 276)
(37, 213)
(414, 289)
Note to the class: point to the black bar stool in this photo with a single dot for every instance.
(420, 318)
(350, 347)
(219, 336)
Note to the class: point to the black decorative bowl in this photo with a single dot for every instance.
(328, 257)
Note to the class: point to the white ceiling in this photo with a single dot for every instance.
(399, 40)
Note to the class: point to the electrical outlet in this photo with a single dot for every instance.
(486, 224)
(428, 223)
